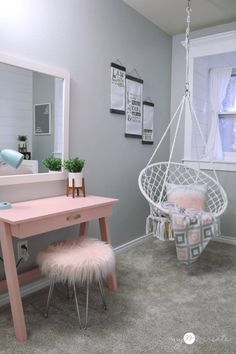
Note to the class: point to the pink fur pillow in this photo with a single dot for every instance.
(189, 196)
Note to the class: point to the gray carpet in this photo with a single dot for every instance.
(158, 301)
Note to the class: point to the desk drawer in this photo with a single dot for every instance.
(50, 223)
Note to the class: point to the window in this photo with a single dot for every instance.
(227, 121)
(229, 103)
(214, 51)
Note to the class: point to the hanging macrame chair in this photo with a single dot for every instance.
(153, 178)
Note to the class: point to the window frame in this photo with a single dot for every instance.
(204, 46)
(228, 156)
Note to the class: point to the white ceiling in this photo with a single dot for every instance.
(170, 15)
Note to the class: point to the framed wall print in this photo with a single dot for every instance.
(148, 114)
(134, 110)
(117, 89)
(42, 119)
(27, 155)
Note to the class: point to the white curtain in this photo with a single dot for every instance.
(218, 82)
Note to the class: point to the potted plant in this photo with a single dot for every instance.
(22, 146)
(52, 163)
(74, 167)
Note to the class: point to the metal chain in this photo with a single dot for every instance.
(187, 46)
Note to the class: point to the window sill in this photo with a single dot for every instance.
(228, 166)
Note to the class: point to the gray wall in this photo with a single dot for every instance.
(227, 179)
(84, 37)
(43, 92)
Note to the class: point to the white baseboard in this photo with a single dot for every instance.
(132, 243)
(44, 282)
(226, 239)
(26, 290)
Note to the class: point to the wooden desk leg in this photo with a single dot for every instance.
(12, 282)
(105, 236)
(83, 229)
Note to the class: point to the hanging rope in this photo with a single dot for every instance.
(153, 178)
(186, 97)
(193, 114)
(172, 149)
(187, 91)
(187, 46)
(166, 131)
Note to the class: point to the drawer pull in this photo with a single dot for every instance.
(74, 217)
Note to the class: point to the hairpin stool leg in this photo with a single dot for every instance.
(77, 306)
(49, 298)
(67, 291)
(102, 294)
(87, 299)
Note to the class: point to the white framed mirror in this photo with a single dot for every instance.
(34, 108)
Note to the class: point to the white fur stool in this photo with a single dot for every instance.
(77, 261)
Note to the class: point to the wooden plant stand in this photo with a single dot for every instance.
(73, 188)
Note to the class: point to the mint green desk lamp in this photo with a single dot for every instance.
(14, 159)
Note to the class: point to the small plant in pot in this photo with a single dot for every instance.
(74, 167)
(22, 138)
(52, 163)
(22, 146)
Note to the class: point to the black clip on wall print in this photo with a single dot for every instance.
(117, 88)
(148, 114)
(134, 111)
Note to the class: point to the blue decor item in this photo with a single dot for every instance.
(5, 205)
(14, 159)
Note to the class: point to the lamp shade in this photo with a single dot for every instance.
(12, 157)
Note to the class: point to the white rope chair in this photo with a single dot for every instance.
(153, 178)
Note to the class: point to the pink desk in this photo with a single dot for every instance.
(33, 217)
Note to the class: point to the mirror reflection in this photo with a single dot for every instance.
(31, 117)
